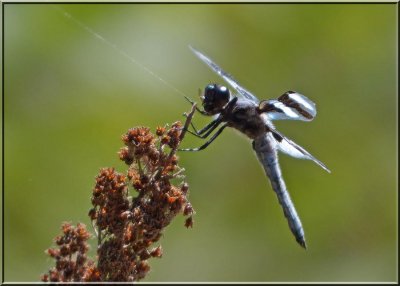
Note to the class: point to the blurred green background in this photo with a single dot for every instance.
(69, 96)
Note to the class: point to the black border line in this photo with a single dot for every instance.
(201, 3)
(3, 4)
(2, 142)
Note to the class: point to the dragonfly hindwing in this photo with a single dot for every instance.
(288, 147)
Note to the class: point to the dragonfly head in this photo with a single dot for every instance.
(215, 97)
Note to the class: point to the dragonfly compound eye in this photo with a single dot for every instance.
(215, 98)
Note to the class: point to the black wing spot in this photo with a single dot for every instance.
(266, 106)
(278, 137)
(286, 100)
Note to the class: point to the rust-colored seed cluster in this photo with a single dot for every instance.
(109, 200)
(72, 263)
(127, 227)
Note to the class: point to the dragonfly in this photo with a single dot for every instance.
(253, 117)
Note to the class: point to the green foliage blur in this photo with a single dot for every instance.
(69, 96)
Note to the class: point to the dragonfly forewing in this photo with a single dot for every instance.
(227, 77)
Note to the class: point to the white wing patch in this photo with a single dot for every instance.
(290, 148)
(279, 111)
(285, 147)
(304, 102)
(290, 106)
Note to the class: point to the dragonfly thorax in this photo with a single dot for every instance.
(215, 97)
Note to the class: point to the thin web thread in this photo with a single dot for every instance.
(116, 48)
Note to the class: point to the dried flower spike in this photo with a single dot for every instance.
(72, 263)
(127, 227)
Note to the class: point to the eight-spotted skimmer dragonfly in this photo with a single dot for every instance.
(253, 117)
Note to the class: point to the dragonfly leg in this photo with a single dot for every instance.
(198, 109)
(205, 131)
(202, 147)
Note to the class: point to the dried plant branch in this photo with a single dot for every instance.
(127, 227)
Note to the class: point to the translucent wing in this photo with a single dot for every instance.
(287, 146)
(227, 77)
(291, 105)
(265, 148)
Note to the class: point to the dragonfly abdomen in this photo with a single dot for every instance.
(267, 154)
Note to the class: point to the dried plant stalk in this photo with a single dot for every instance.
(128, 226)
